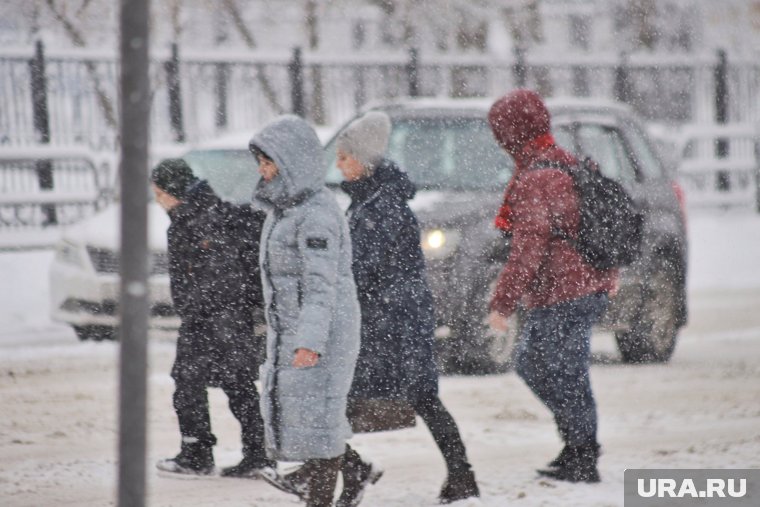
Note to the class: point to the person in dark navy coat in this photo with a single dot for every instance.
(396, 358)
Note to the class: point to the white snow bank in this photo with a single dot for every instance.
(724, 248)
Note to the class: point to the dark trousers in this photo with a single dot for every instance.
(444, 430)
(198, 365)
(442, 427)
(553, 359)
(191, 405)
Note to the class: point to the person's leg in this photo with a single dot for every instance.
(190, 373)
(566, 357)
(576, 409)
(323, 476)
(460, 482)
(190, 401)
(444, 431)
(572, 401)
(536, 365)
(244, 404)
(191, 405)
(535, 360)
(313, 482)
(357, 476)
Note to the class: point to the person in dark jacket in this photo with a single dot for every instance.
(396, 358)
(563, 296)
(215, 287)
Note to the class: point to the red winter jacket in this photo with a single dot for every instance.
(542, 270)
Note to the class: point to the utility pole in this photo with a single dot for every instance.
(133, 303)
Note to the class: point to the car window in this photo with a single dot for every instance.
(606, 147)
(442, 153)
(231, 173)
(646, 160)
(563, 136)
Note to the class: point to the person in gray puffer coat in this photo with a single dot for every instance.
(311, 308)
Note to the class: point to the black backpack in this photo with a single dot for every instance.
(611, 226)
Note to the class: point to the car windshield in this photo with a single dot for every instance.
(231, 173)
(442, 153)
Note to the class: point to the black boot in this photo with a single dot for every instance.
(250, 467)
(196, 458)
(459, 485)
(561, 458)
(580, 466)
(357, 476)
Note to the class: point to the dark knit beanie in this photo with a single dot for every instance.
(173, 176)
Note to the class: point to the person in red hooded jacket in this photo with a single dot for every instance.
(562, 295)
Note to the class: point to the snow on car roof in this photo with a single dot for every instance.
(554, 103)
(240, 139)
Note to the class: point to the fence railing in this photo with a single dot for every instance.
(199, 95)
(720, 165)
(31, 209)
(54, 98)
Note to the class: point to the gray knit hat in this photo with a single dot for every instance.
(366, 138)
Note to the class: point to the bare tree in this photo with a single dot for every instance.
(655, 25)
(175, 18)
(311, 17)
(60, 13)
(451, 24)
(525, 24)
(233, 10)
(643, 15)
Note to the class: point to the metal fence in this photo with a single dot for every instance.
(198, 95)
(720, 165)
(51, 97)
(47, 187)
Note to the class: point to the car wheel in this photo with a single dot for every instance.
(653, 331)
(95, 333)
(473, 347)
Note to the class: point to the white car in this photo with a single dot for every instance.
(84, 275)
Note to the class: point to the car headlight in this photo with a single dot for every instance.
(70, 253)
(439, 243)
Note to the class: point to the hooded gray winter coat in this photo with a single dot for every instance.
(310, 299)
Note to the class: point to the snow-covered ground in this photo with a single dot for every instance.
(58, 400)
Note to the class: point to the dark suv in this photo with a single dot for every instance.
(448, 150)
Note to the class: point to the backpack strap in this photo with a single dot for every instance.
(567, 169)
